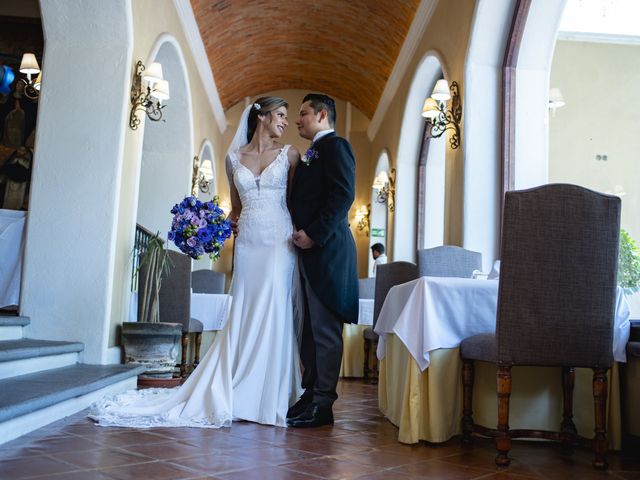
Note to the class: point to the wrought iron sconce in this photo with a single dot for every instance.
(385, 186)
(29, 66)
(443, 119)
(363, 213)
(147, 98)
(202, 176)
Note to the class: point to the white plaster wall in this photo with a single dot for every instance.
(532, 93)
(70, 246)
(166, 23)
(167, 150)
(482, 127)
(428, 71)
(206, 153)
(379, 216)
(434, 199)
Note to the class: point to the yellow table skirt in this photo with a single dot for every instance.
(353, 350)
(428, 405)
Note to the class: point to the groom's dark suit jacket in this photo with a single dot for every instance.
(321, 195)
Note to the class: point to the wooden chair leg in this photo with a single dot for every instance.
(196, 360)
(567, 427)
(600, 403)
(365, 368)
(374, 360)
(183, 362)
(467, 399)
(503, 440)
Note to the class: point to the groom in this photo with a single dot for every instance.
(321, 194)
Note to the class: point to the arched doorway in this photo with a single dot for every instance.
(167, 149)
(405, 224)
(379, 216)
(207, 167)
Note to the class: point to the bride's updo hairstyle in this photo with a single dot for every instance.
(262, 106)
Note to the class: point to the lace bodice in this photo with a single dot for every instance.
(263, 197)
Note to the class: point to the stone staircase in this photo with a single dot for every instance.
(41, 381)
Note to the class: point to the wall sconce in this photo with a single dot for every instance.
(29, 66)
(385, 186)
(202, 175)
(435, 110)
(147, 99)
(556, 100)
(362, 218)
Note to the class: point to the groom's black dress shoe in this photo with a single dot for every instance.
(314, 416)
(299, 407)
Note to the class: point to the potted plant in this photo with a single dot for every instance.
(148, 341)
(628, 264)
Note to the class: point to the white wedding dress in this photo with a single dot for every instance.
(251, 372)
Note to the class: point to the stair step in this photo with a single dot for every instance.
(29, 348)
(31, 401)
(13, 321)
(24, 356)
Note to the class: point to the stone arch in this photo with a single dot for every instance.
(379, 216)
(429, 70)
(166, 163)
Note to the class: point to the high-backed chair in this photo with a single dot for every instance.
(387, 275)
(366, 287)
(207, 281)
(556, 304)
(448, 261)
(175, 305)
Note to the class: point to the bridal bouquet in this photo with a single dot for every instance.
(199, 227)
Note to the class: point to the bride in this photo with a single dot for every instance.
(251, 372)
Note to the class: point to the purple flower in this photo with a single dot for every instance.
(309, 156)
(191, 242)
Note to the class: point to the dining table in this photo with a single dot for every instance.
(420, 327)
(353, 340)
(211, 309)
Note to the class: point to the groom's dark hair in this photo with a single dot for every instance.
(320, 102)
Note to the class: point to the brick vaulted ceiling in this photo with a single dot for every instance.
(344, 48)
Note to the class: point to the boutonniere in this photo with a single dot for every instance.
(309, 156)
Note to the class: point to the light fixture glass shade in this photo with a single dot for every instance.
(38, 81)
(555, 98)
(161, 90)
(381, 180)
(29, 64)
(441, 91)
(153, 73)
(206, 169)
(430, 109)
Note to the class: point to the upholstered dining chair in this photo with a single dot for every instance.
(556, 305)
(175, 305)
(448, 261)
(387, 275)
(366, 287)
(207, 281)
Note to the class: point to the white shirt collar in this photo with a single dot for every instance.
(321, 134)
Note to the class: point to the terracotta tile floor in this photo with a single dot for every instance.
(361, 444)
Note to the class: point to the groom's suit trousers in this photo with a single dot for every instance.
(321, 349)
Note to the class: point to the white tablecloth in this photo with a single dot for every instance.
(436, 312)
(211, 309)
(11, 247)
(365, 311)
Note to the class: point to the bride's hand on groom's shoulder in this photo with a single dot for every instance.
(302, 240)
